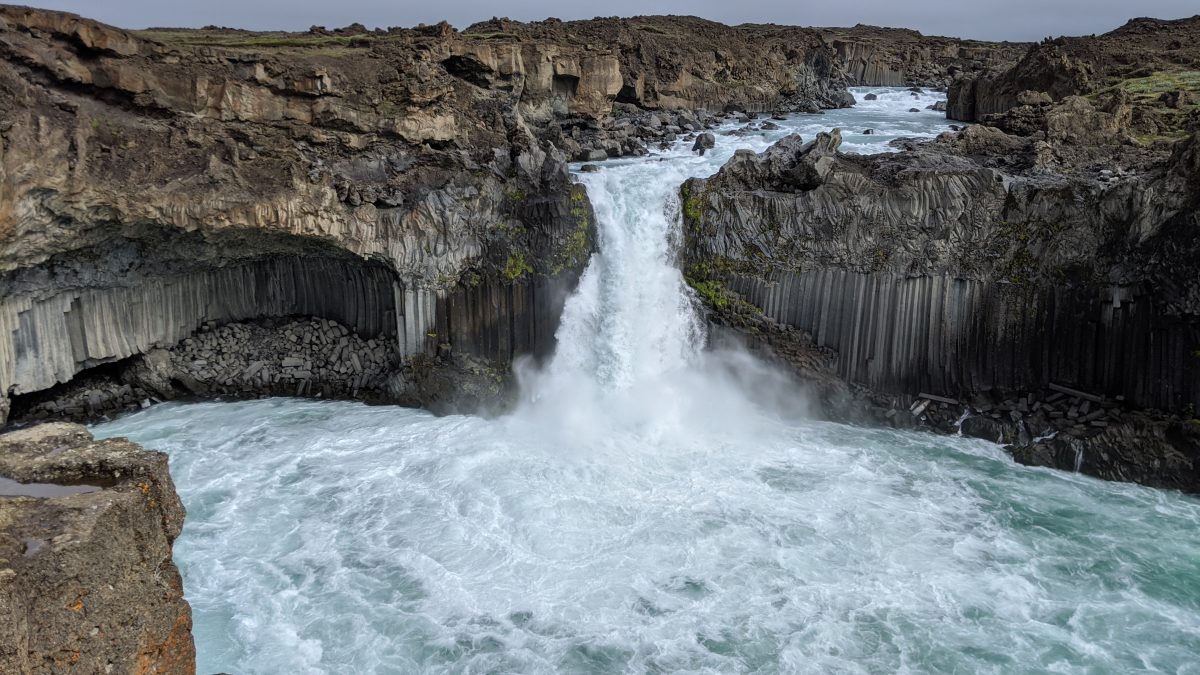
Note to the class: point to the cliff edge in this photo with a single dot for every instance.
(87, 583)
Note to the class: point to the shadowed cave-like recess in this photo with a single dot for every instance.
(85, 315)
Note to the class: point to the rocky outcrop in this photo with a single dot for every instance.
(163, 185)
(899, 57)
(1163, 453)
(1143, 57)
(976, 267)
(675, 62)
(1048, 70)
(313, 357)
(87, 583)
(410, 184)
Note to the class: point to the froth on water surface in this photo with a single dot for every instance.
(335, 537)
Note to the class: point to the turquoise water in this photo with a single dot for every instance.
(336, 537)
(653, 506)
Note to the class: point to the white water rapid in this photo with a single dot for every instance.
(654, 507)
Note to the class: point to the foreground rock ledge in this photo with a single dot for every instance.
(87, 583)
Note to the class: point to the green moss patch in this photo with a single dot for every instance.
(516, 266)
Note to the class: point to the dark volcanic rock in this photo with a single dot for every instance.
(874, 56)
(1157, 452)
(705, 141)
(1070, 66)
(974, 243)
(87, 583)
(172, 184)
(408, 184)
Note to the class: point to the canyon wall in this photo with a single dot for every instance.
(151, 186)
(409, 184)
(939, 270)
(898, 57)
(958, 337)
(405, 183)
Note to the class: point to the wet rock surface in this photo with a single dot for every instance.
(1152, 450)
(87, 583)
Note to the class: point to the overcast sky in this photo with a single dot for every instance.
(990, 19)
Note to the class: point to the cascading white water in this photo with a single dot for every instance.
(655, 507)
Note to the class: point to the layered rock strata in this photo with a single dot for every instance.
(409, 184)
(152, 185)
(87, 583)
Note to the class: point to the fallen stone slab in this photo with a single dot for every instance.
(1076, 393)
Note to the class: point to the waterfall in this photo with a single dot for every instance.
(632, 319)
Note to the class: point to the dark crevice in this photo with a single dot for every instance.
(565, 86)
(469, 69)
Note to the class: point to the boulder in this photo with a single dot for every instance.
(704, 142)
(1156, 451)
(1029, 97)
(1177, 100)
(87, 582)
(1075, 121)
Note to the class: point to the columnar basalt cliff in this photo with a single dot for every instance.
(87, 583)
(977, 267)
(409, 184)
(898, 57)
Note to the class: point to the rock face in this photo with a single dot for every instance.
(152, 185)
(409, 184)
(976, 265)
(674, 62)
(898, 57)
(87, 583)
(1143, 52)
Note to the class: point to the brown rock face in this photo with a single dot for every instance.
(87, 583)
(408, 184)
(668, 62)
(152, 184)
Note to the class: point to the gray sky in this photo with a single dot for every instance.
(990, 19)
